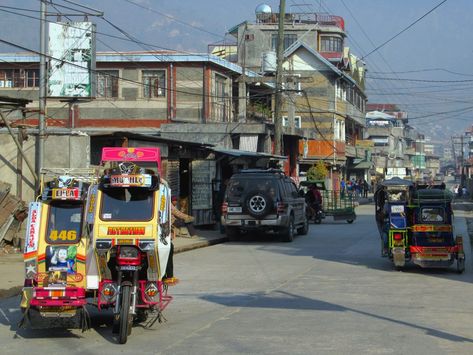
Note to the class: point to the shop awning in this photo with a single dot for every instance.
(363, 164)
(246, 154)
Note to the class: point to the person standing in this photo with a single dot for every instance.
(342, 188)
(365, 188)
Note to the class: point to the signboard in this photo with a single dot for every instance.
(364, 143)
(203, 171)
(65, 194)
(72, 48)
(32, 228)
(130, 180)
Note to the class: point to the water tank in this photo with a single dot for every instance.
(263, 12)
(269, 62)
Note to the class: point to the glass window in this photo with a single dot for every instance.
(221, 100)
(289, 39)
(107, 83)
(154, 83)
(64, 223)
(20, 78)
(331, 44)
(432, 214)
(127, 204)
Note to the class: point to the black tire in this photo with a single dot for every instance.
(350, 221)
(287, 233)
(126, 318)
(317, 219)
(460, 265)
(258, 204)
(304, 229)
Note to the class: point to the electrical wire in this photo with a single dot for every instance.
(405, 29)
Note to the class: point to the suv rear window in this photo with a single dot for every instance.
(241, 185)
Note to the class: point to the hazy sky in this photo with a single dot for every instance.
(438, 48)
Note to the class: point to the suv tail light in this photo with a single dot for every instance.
(281, 207)
(224, 208)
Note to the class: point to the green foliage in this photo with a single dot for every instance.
(317, 172)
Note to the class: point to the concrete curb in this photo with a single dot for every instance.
(11, 292)
(202, 244)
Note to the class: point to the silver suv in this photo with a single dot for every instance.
(263, 200)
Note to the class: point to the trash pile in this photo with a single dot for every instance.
(13, 212)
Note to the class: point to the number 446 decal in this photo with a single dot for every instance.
(63, 235)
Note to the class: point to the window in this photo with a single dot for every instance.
(64, 223)
(297, 121)
(331, 44)
(221, 100)
(432, 214)
(107, 83)
(289, 39)
(130, 204)
(154, 83)
(19, 78)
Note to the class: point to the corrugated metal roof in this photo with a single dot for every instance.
(141, 57)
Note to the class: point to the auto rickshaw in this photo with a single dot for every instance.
(432, 242)
(391, 209)
(130, 230)
(415, 223)
(54, 292)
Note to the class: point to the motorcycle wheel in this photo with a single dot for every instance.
(125, 316)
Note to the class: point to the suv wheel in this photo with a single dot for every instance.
(258, 204)
(287, 233)
(305, 228)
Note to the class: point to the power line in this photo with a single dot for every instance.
(405, 29)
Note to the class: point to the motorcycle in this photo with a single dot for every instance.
(130, 228)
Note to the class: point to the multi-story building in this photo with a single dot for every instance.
(323, 82)
(188, 100)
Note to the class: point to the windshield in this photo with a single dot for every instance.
(127, 204)
(64, 223)
(238, 187)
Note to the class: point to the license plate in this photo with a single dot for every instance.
(128, 267)
(130, 180)
(234, 209)
(66, 194)
(397, 209)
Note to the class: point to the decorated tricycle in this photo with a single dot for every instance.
(130, 227)
(54, 292)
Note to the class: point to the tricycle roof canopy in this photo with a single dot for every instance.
(132, 154)
(396, 181)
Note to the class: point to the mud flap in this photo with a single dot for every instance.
(399, 256)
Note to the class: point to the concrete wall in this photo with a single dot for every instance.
(251, 54)
(59, 151)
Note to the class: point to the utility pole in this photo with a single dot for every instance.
(42, 89)
(278, 97)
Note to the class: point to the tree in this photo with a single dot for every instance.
(318, 171)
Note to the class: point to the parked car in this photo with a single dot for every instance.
(264, 200)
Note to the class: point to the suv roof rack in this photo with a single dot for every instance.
(252, 171)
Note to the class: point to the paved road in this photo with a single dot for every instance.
(326, 293)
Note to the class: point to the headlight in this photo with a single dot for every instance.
(129, 252)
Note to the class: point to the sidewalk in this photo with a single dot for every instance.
(12, 269)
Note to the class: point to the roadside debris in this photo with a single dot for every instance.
(13, 212)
